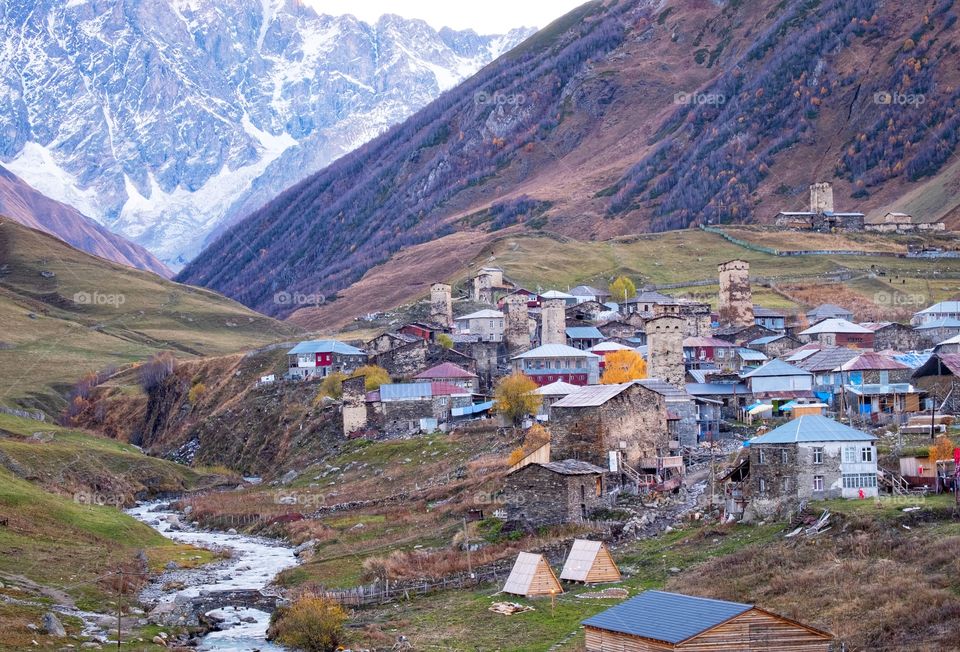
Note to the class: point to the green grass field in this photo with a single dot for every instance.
(64, 313)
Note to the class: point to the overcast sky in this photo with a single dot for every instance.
(484, 16)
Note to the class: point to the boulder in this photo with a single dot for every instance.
(160, 641)
(52, 625)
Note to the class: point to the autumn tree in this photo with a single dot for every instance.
(374, 376)
(623, 366)
(312, 623)
(535, 437)
(942, 449)
(514, 397)
(622, 288)
(331, 386)
(444, 341)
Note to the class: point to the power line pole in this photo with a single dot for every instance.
(466, 543)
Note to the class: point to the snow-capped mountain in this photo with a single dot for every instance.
(168, 120)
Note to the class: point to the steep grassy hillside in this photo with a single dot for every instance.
(63, 534)
(673, 257)
(64, 313)
(628, 116)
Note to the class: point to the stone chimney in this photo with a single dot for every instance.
(665, 350)
(441, 305)
(735, 305)
(821, 197)
(553, 322)
(516, 326)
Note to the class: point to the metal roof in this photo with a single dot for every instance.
(943, 306)
(750, 355)
(588, 291)
(445, 370)
(717, 389)
(938, 363)
(715, 342)
(555, 351)
(875, 325)
(760, 311)
(650, 296)
(668, 617)
(584, 333)
(571, 467)
(828, 310)
(486, 313)
(776, 368)
(665, 389)
(606, 347)
(827, 359)
(877, 389)
(591, 395)
(836, 325)
(556, 388)
(766, 339)
(811, 428)
(946, 322)
(871, 361)
(413, 391)
(325, 346)
(555, 294)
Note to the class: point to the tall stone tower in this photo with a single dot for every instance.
(441, 305)
(516, 326)
(553, 322)
(665, 350)
(821, 197)
(736, 301)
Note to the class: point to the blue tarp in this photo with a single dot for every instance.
(471, 409)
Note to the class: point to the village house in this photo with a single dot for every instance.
(447, 372)
(489, 285)
(778, 382)
(398, 409)
(936, 312)
(645, 302)
(700, 351)
(746, 359)
(588, 313)
(730, 395)
(775, 320)
(583, 337)
(809, 458)
(551, 493)
(937, 330)
(872, 367)
(774, 346)
(892, 222)
(882, 403)
(824, 364)
(625, 418)
(740, 335)
(387, 342)
(320, 358)
(939, 378)
(551, 394)
(423, 330)
(681, 411)
(551, 295)
(839, 332)
(654, 621)
(828, 311)
(620, 329)
(551, 362)
(894, 336)
(951, 345)
(487, 324)
(587, 293)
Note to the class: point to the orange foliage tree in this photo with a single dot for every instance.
(514, 398)
(623, 366)
(942, 449)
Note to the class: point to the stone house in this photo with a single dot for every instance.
(551, 394)
(775, 320)
(403, 360)
(320, 358)
(936, 312)
(828, 311)
(617, 328)
(892, 222)
(585, 293)
(935, 331)
(891, 336)
(839, 332)
(551, 362)
(399, 409)
(735, 305)
(644, 303)
(387, 342)
(939, 377)
(590, 423)
(700, 351)
(740, 335)
(488, 324)
(551, 493)
(809, 458)
(821, 216)
(583, 337)
(587, 313)
(447, 372)
(489, 285)
(871, 367)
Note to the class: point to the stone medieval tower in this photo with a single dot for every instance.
(441, 306)
(665, 350)
(821, 197)
(553, 322)
(736, 302)
(516, 326)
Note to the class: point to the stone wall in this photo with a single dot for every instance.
(665, 350)
(821, 197)
(735, 305)
(354, 410)
(403, 361)
(537, 496)
(898, 337)
(516, 328)
(634, 422)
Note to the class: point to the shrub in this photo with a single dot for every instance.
(155, 370)
(312, 623)
(331, 386)
(196, 393)
(445, 341)
(374, 376)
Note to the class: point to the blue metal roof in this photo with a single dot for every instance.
(716, 389)
(325, 346)
(584, 333)
(946, 322)
(668, 617)
(471, 409)
(811, 428)
(405, 391)
(776, 368)
(765, 339)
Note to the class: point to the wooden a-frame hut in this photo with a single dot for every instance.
(590, 562)
(532, 576)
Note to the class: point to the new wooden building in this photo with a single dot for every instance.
(532, 576)
(657, 620)
(590, 562)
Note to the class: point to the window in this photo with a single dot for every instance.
(866, 454)
(859, 480)
(762, 487)
(818, 483)
(784, 456)
(760, 458)
(818, 455)
(849, 454)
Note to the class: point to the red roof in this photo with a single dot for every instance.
(447, 389)
(707, 342)
(872, 361)
(445, 370)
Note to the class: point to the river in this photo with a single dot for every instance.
(253, 564)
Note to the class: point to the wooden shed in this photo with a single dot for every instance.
(531, 577)
(657, 620)
(591, 562)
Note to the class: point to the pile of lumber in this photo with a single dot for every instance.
(509, 608)
(809, 529)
